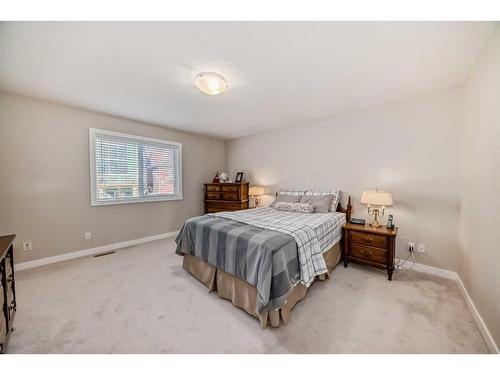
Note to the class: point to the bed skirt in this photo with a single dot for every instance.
(244, 295)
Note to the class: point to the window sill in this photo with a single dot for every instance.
(140, 200)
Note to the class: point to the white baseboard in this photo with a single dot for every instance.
(490, 342)
(447, 274)
(92, 251)
(441, 272)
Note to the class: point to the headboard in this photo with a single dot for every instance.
(347, 211)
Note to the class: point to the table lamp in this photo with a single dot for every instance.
(376, 201)
(255, 192)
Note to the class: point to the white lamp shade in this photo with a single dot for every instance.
(256, 190)
(376, 198)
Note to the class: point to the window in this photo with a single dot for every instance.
(129, 169)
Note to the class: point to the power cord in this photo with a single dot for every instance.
(400, 263)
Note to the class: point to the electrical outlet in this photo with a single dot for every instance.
(88, 235)
(411, 247)
(27, 246)
(421, 248)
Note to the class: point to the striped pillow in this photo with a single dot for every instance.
(288, 196)
(335, 200)
(304, 208)
(291, 192)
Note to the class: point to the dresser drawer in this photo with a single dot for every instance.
(3, 332)
(11, 304)
(211, 195)
(9, 274)
(230, 196)
(369, 253)
(226, 197)
(213, 210)
(229, 188)
(1, 298)
(8, 269)
(225, 206)
(368, 239)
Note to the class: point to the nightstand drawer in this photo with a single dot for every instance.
(368, 253)
(213, 188)
(368, 239)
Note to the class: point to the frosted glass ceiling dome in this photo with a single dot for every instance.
(210, 83)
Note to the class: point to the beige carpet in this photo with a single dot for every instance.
(140, 300)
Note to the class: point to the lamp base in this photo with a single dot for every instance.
(375, 222)
(256, 201)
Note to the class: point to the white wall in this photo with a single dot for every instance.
(44, 179)
(409, 147)
(480, 187)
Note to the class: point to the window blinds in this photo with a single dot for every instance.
(127, 168)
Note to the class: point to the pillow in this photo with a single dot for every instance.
(335, 200)
(304, 208)
(321, 203)
(292, 196)
(291, 192)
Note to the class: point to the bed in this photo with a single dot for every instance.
(262, 259)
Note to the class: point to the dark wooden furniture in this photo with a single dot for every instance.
(347, 210)
(226, 197)
(7, 288)
(371, 246)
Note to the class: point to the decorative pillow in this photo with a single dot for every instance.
(304, 208)
(292, 196)
(335, 200)
(321, 203)
(291, 192)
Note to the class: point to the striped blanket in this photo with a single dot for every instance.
(306, 229)
(269, 249)
(263, 258)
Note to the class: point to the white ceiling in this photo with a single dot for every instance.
(279, 73)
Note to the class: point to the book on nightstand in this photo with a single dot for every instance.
(357, 221)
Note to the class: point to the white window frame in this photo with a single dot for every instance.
(93, 199)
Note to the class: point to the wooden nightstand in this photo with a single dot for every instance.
(372, 246)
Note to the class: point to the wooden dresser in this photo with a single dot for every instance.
(226, 197)
(7, 288)
(371, 246)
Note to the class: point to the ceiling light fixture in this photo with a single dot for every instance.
(210, 83)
